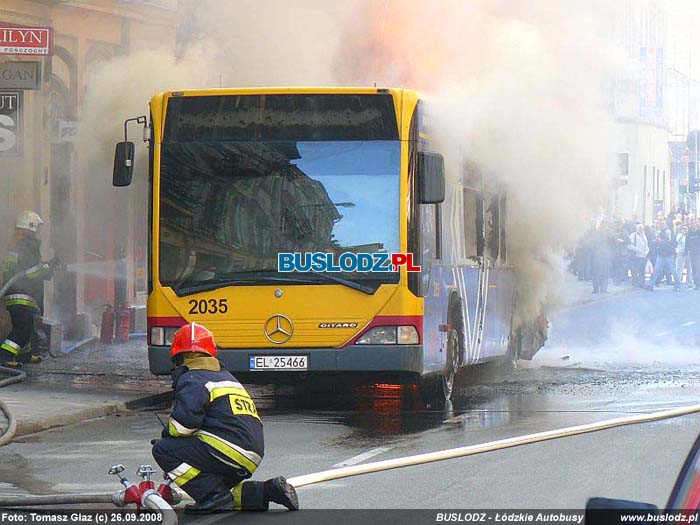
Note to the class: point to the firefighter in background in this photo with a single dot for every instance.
(25, 298)
(214, 439)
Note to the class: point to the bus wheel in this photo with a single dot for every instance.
(449, 375)
(437, 389)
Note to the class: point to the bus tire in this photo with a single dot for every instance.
(455, 318)
(437, 388)
(449, 374)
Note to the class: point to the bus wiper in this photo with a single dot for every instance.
(208, 286)
(222, 283)
(251, 279)
(369, 290)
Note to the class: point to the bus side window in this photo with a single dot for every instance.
(503, 251)
(438, 231)
(428, 234)
(493, 228)
(415, 213)
(479, 223)
(473, 206)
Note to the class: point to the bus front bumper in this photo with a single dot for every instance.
(402, 359)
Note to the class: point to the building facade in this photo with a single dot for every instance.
(40, 164)
(657, 104)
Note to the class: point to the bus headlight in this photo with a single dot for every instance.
(390, 335)
(162, 336)
(408, 335)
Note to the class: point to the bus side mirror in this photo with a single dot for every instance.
(431, 175)
(123, 164)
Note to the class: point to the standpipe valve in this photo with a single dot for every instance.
(131, 492)
(116, 470)
(145, 472)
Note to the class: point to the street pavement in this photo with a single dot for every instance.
(39, 407)
(624, 353)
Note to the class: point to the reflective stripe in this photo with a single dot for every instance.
(20, 296)
(211, 385)
(20, 299)
(237, 496)
(175, 428)
(10, 346)
(245, 458)
(226, 391)
(35, 271)
(179, 470)
(224, 388)
(183, 473)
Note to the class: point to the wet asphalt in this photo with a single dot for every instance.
(620, 355)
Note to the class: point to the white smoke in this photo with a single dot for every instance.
(517, 88)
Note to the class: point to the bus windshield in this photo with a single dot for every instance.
(228, 208)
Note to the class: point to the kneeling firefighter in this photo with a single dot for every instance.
(214, 439)
(25, 297)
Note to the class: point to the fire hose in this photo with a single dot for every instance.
(17, 376)
(144, 495)
(157, 499)
(492, 446)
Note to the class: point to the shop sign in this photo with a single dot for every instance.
(11, 123)
(23, 40)
(20, 75)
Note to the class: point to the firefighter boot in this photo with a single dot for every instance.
(277, 490)
(9, 360)
(28, 358)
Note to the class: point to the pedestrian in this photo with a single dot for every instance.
(584, 255)
(670, 236)
(620, 260)
(692, 249)
(25, 298)
(214, 440)
(602, 253)
(665, 261)
(639, 246)
(681, 255)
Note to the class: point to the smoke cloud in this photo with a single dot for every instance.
(517, 89)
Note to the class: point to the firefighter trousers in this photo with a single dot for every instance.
(18, 340)
(189, 462)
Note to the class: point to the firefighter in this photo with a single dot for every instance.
(214, 438)
(25, 298)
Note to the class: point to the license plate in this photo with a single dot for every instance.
(278, 362)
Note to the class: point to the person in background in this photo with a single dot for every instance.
(620, 262)
(25, 298)
(681, 256)
(669, 235)
(639, 247)
(692, 250)
(603, 249)
(583, 257)
(650, 232)
(665, 260)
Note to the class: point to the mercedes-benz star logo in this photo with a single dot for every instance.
(279, 329)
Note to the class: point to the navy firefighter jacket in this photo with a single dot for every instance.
(214, 407)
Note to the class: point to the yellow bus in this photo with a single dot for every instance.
(240, 176)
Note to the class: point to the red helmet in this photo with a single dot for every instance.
(193, 337)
